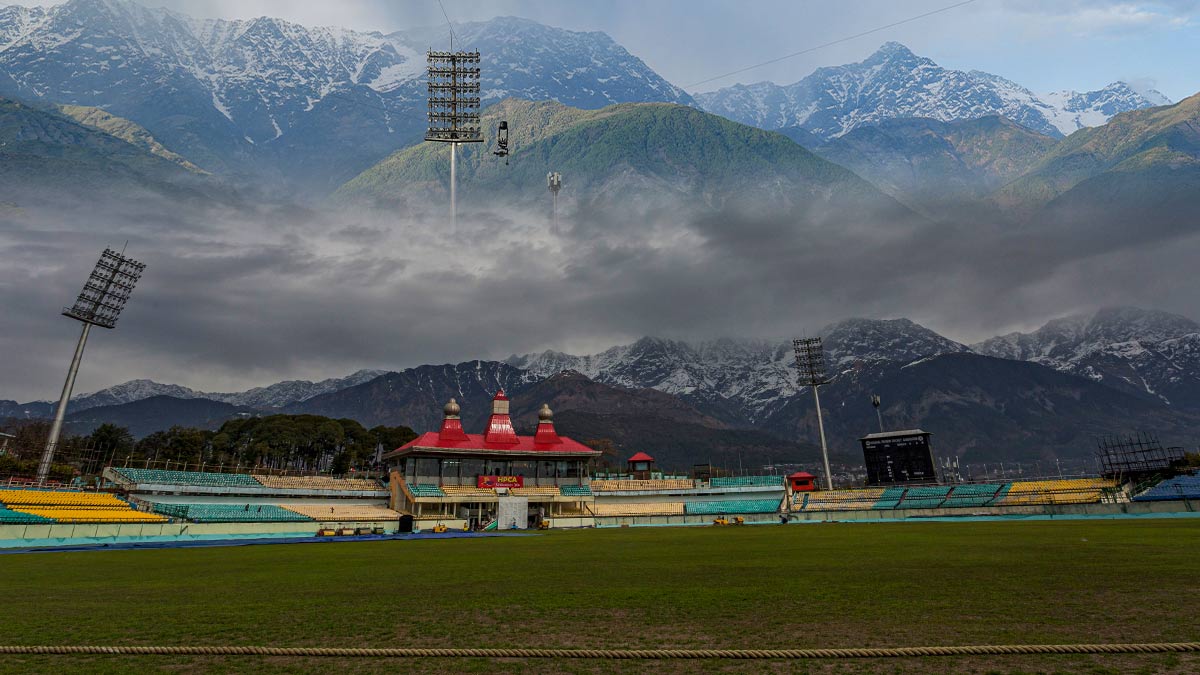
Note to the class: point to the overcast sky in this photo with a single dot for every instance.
(238, 300)
(1044, 45)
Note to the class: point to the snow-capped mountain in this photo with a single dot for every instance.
(274, 396)
(755, 378)
(1151, 353)
(264, 93)
(893, 83)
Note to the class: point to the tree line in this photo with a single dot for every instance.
(286, 442)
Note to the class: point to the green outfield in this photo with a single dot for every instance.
(838, 585)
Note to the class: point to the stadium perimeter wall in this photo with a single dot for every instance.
(878, 515)
(64, 534)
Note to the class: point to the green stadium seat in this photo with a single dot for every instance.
(231, 513)
(198, 478)
(890, 498)
(425, 490)
(732, 506)
(746, 481)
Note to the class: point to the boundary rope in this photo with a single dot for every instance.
(653, 654)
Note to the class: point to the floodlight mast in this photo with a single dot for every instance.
(554, 184)
(453, 107)
(100, 303)
(810, 361)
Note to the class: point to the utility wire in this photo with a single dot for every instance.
(448, 24)
(830, 44)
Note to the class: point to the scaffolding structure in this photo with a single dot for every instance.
(1139, 454)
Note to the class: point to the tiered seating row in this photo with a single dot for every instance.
(68, 514)
(201, 478)
(639, 509)
(318, 483)
(8, 517)
(837, 500)
(360, 512)
(55, 498)
(544, 491)
(924, 497)
(746, 481)
(468, 491)
(425, 490)
(629, 485)
(575, 491)
(1069, 491)
(733, 506)
(230, 513)
(1179, 487)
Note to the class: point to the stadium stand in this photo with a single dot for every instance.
(200, 478)
(924, 497)
(746, 481)
(92, 515)
(358, 512)
(230, 513)
(56, 499)
(575, 491)
(837, 500)
(651, 484)
(889, 499)
(425, 490)
(732, 506)
(468, 491)
(543, 491)
(971, 495)
(19, 518)
(640, 509)
(318, 483)
(1180, 487)
(1059, 491)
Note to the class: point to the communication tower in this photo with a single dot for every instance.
(100, 303)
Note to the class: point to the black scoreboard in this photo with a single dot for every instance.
(898, 457)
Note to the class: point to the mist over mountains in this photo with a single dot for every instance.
(272, 177)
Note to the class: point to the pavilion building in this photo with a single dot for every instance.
(497, 477)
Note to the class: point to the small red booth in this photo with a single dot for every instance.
(640, 465)
(802, 481)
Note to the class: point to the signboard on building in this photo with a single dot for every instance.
(492, 482)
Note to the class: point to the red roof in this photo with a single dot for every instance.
(641, 457)
(475, 442)
(802, 474)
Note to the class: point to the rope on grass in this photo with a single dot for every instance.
(450, 652)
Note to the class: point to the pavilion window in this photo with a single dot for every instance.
(450, 471)
(470, 469)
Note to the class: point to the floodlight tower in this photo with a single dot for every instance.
(810, 361)
(100, 303)
(876, 401)
(453, 106)
(554, 184)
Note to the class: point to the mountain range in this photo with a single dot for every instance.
(269, 98)
(895, 83)
(1027, 396)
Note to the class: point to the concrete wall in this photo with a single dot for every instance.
(23, 536)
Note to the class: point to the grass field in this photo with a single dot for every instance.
(748, 587)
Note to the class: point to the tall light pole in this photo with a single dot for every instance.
(100, 303)
(810, 361)
(453, 107)
(876, 401)
(554, 184)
